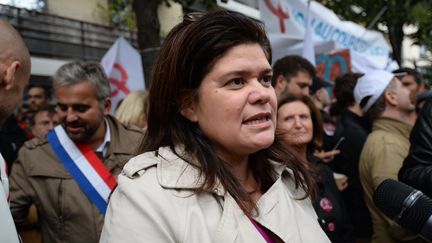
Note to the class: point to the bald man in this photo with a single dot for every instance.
(14, 75)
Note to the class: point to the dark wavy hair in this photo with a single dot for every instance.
(187, 55)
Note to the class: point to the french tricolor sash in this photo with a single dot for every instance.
(85, 167)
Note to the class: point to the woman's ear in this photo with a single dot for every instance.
(188, 109)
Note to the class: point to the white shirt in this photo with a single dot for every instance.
(107, 139)
(8, 232)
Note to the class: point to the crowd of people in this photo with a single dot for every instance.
(223, 147)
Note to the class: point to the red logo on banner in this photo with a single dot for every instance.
(332, 64)
(119, 85)
(278, 12)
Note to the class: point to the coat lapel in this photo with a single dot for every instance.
(235, 226)
(119, 150)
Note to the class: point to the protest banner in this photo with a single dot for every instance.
(288, 17)
(122, 65)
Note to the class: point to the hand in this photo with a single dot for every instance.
(341, 181)
(326, 156)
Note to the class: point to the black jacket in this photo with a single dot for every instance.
(12, 137)
(417, 167)
(355, 130)
(329, 205)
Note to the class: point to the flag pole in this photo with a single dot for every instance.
(308, 46)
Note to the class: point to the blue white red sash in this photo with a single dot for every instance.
(85, 167)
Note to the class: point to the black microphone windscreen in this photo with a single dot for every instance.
(389, 197)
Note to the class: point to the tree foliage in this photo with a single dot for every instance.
(207, 4)
(142, 16)
(423, 20)
(121, 13)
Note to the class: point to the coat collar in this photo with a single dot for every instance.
(392, 126)
(126, 146)
(175, 173)
(118, 147)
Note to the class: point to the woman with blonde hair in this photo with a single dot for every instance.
(133, 109)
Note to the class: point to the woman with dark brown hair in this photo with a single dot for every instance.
(299, 125)
(212, 169)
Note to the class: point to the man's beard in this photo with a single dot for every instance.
(83, 136)
(413, 96)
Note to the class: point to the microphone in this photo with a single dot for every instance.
(408, 207)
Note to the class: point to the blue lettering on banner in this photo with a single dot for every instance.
(300, 18)
(328, 32)
(378, 51)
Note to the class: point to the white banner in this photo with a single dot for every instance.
(289, 17)
(122, 64)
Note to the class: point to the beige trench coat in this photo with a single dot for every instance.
(65, 213)
(154, 202)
